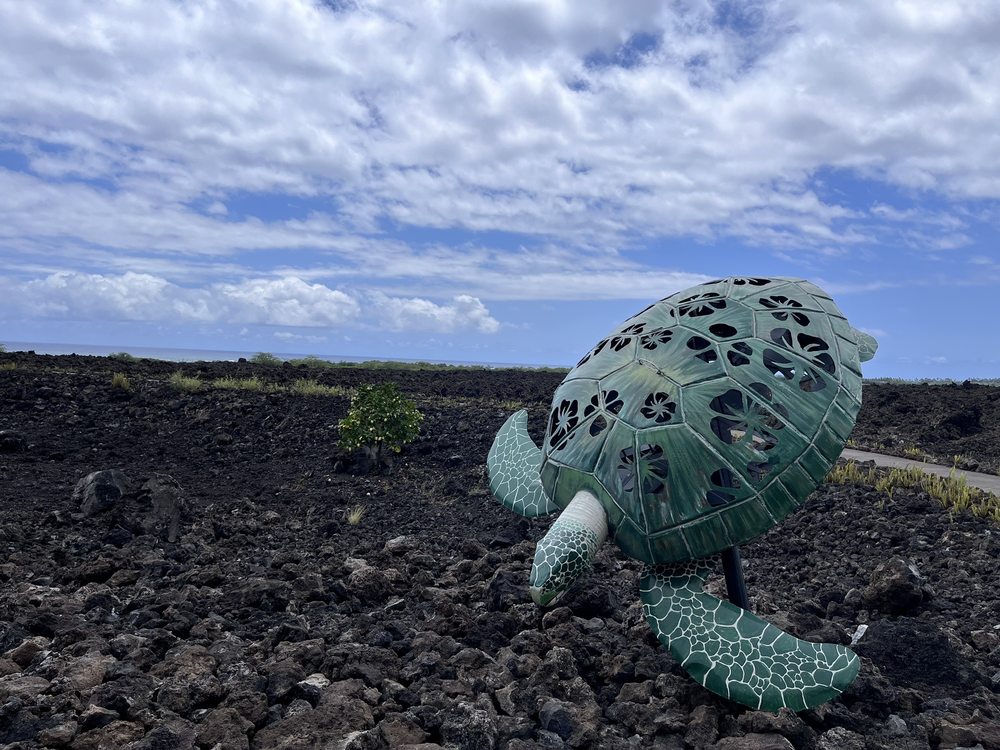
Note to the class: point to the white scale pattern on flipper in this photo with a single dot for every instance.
(513, 463)
(734, 653)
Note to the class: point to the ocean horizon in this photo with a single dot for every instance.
(171, 354)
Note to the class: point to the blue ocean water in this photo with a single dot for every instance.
(207, 355)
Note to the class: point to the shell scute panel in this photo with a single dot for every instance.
(735, 322)
(749, 427)
(642, 396)
(683, 478)
(684, 357)
(571, 417)
(657, 315)
(618, 470)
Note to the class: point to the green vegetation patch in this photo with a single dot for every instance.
(380, 419)
(952, 491)
(265, 358)
(120, 381)
(239, 384)
(185, 383)
(310, 387)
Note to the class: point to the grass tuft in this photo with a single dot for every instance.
(184, 383)
(123, 356)
(310, 387)
(354, 515)
(239, 384)
(952, 491)
(120, 381)
(8, 366)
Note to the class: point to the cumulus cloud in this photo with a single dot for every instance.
(585, 125)
(464, 312)
(287, 301)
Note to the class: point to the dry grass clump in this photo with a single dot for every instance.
(120, 381)
(8, 366)
(311, 387)
(354, 515)
(952, 491)
(184, 383)
(239, 384)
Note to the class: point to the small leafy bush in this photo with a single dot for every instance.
(120, 381)
(8, 366)
(2, 348)
(122, 356)
(184, 383)
(380, 419)
(265, 358)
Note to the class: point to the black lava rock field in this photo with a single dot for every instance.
(231, 580)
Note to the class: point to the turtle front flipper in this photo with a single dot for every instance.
(513, 463)
(734, 653)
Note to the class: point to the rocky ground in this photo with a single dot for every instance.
(212, 594)
(944, 422)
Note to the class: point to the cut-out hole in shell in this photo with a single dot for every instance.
(599, 425)
(654, 468)
(699, 305)
(724, 479)
(626, 469)
(722, 330)
(655, 337)
(812, 381)
(778, 364)
(778, 301)
(750, 281)
(743, 420)
(562, 422)
(592, 406)
(739, 354)
(703, 346)
(658, 407)
(759, 470)
(612, 403)
(812, 347)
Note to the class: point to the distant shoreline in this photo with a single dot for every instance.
(170, 354)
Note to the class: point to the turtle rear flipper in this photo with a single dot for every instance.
(734, 653)
(513, 463)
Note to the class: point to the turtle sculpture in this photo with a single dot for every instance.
(694, 427)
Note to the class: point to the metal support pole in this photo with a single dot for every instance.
(736, 587)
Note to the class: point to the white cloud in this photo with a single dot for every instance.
(487, 115)
(464, 312)
(286, 301)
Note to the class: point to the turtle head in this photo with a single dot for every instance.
(554, 570)
(568, 550)
(867, 345)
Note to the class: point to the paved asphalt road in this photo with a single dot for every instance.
(988, 482)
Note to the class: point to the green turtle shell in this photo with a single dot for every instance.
(707, 417)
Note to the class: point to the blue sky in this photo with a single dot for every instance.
(493, 181)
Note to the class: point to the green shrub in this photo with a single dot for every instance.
(265, 358)
(380, 418)
(2, 348)
(120, 380)
(122, 356)
(8, 366)
(182, 382)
